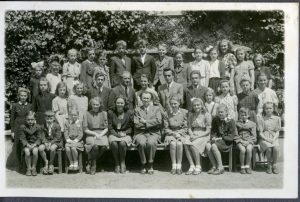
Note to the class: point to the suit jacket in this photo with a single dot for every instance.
(117, 68)
(165, 94)
(167, 62)
(87, 72)
(55, 137)
(126, 123)
(190, 93)
(117, 91)
(18, 116)
(104, 95)
(182, 74)
(153, 119)
(138, 68)
(31, 135)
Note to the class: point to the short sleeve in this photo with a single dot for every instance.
(84, 120)
(278, 123)
(250, 65)
(235, 100)
(260, 124)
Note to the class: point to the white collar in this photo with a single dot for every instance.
(22, 103)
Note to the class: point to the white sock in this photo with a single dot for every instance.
(174, 166)
(178, 166)
(198, 167)
(246, 166)
(192, 167)
(243, 166)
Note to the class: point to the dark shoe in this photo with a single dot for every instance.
(33, 172)
(93, 170)
(275, 169)
(123, 169)
(51, 170)
(243, 171)
(88, 169)
(248, 170)
(269, 169)
(173, 171)
(151, 171)
(28, 172)
(117, 169)
(218, 171)
(211, 171)
(178, 171)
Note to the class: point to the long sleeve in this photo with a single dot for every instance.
(111, 129)
(231, 133)
(23, 136)
(40, 135)
(155, 121)
(130, 124)
(171, 63)
(111, 100)
(80, 132)
(13, 117)
(113, 74)
(222, 69)
(152, 69)
(137, 122)
(83, 72)
(34, 104)
(58, 136)
(254, 135)
(66, 130)
(180, 94)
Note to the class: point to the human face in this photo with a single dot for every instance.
(258, 61)
(213, 55)
(102, 61)
(222, 113)
(243, 116)
(62, 91)
(126, 80)
(269, 109)
(23, 97)
(198, 54)
(174, 104)
(55, 67)
(79, 89)
(195, 79)
(224, 47)
(121, 50)
(245, 86)
(43, 86)
(100, 80)
(142, 49)
(30, 120)
(262, 82)
(162, 51)
(144, 83)
(209, 97)
(38, 72)
(197, 106)
(95, 106)
(146, 98)
(49, 119)
(225, 88)
(240, 55)
(73, 116)
(91, 55)
(179, 59)
(72, 57)
(168, 76)
(120, 103)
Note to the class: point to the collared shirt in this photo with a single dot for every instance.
(49, 127)
(143, 58)
(100, 89)
(23, 103)
(214, 69)
(169, 85)
(175, 113)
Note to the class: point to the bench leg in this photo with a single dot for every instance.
(66, 164)
(59, 156)
(80, 162)
(253, 158)
(230, 160)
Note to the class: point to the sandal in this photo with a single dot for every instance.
(197, 171)
(45, 170)
(51, 170)
(190, 171)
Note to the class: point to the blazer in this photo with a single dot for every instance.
(126, 123)
(117, 68)
(31, 135)
(104, 95)
(165, 94)
(167, 62)
(18, 115)
(153, 119)
(226, 129)
(138, 68)
(87, 72)
(55, 137)
(119, 90)
(182, 74)
(190, 93)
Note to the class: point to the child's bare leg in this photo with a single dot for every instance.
(188, 155)
(179, 151)
(52, 153)
(35, 153)
(43, 154)
(217, 155)
(27, 158)
(275, 155)
(173, 154)
(249, 154)
(269, 155)
(242, 154)
(69, 155)
(122, 150)
(74, 153)
(211, 155)
(196, 155)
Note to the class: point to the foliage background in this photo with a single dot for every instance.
(31, 36)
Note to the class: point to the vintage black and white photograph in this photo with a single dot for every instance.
(184, 98)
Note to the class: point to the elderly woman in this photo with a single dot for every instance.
(175, 129)
(147, 122)
(199, 125)
(96, 128)
(120, 123)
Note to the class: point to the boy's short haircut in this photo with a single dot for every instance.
(54, 58)
(224, 81)
(195, 72)
(126, 73)
(222, 106)
(146, 92)
(169, 69)
(30, 114)
(163, 45)
(261, 75)
(244, 109)
(243, 79)
(98, 74)
(96, 99)
(198, 48)
(121, 43)
(49, 113)
(73, 50)
(179, 53)
(141, 42)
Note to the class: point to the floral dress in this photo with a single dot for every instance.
(60, 108)
(198, 124)
(231, 103)
(242, 70)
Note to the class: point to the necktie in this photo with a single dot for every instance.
(126, 91)
(123, 60)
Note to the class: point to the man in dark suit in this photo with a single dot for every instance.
(124, 89)
(169, 89)
(99, 90)
(119, 63)
(195, 90)
(142, 64)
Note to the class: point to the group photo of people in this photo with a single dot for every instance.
(122, 93)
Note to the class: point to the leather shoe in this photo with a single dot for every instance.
(218, 171)
(33, 172)
(173, 171)
(117, 169)
(179, 171)
(211, 171)
(243, 171)
(248, 170)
